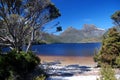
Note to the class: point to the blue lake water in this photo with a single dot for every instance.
(67, 49)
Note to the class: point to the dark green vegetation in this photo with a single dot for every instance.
(49, 38)
(110, 50)
(116, 18)
(17, 66)
(107, 73)
(21, 22)
(109, 55)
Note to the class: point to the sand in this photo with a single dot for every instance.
(90, 77)
(68, 60)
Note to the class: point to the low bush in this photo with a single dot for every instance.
(118, 61)
(4, 67)
(107, 73)
(41, 77)
(17, 65)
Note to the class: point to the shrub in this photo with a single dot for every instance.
(118, 61)
(4, 67)
(41, 77)
(110, 49)
(107, 73)
(18, 65)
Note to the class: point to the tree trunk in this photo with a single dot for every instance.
(30, 42)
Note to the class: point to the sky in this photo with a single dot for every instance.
(76, 13)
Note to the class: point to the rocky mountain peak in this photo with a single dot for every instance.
(89, 33)
(89, 27)
(70, 28)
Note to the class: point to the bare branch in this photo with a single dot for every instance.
(20, 20)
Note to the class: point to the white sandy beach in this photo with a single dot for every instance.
(89, 77)
(71, 68)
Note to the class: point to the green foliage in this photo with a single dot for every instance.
(22, 62)
(17, 65)
(95, 57)
(107, 73)
(59, 29)
(116, 18)
(50, 38)
(110, 49)
(22, 19)
(118, 61)
(40, 42)
(54, 12)
(41, 77)
(4, 69)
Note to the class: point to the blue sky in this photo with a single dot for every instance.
(76, 13)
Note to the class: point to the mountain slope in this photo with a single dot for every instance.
(89, 33)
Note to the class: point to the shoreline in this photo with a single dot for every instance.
(72, 68)
(71, 43)
(69, 60)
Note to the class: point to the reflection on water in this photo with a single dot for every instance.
(67, 49)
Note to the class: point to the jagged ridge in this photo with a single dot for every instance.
(89, 33)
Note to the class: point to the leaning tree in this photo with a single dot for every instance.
(116, 18)
(21, 19)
